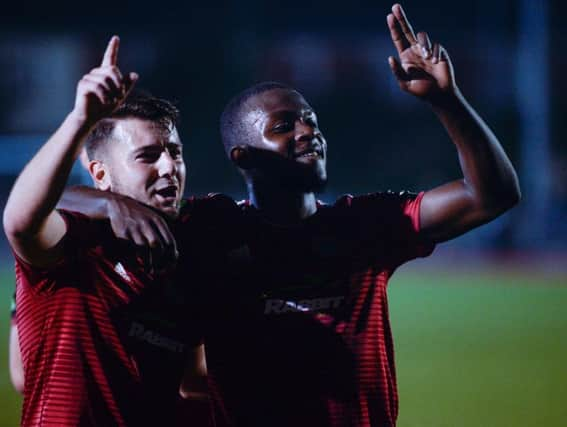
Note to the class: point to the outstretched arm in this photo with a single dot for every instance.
(31, 223)
(489, 185)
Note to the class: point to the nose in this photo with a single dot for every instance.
(305, 131)
(167, 165)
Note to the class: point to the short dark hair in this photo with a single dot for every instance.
(138, 104)
(233, 131)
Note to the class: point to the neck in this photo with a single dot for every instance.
(281, 206)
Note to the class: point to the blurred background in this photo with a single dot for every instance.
(481, 325)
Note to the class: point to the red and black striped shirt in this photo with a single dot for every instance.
(103, 341)
(298, 332)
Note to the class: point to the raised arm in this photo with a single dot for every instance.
(33, 227)
(489, 185)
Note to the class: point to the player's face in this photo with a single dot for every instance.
(283, 123)
(146, 163)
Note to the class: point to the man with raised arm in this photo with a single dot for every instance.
(300, 333)
(103, 338)
(295, 319)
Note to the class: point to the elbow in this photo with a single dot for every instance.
(15, 226)
(10, 221)
(21, 222)
(501, 194)
(517, 197)
(512, 196)
(513, 192)
(502, 201)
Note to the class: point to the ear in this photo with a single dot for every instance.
(242, 157)
(99, 174)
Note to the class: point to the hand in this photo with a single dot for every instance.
(146, 228)
(101, 91)
(424, 71)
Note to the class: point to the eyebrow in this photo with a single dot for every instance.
(157, 147)
(151, 147)
(281, 113)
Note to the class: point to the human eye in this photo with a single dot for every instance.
(148, 156)
(175, 151)
(282, 126)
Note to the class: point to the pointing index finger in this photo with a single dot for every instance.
(111, 53)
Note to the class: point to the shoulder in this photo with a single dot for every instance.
(213, 206)
(383, 198)
(387, 208)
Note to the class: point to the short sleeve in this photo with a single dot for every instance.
(81, 233)
(392, 221)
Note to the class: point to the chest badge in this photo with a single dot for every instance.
(119, 268)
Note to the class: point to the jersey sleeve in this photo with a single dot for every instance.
(392, 221)
(80, 234)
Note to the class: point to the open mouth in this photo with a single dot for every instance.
(311, 153)
(167, 192)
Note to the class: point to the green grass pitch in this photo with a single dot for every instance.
(478, 350)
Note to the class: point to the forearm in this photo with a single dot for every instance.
(87, 200)
(487, 171)
(39, 186)
(129, 220)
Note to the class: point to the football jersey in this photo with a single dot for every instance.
(103, 339)
(297, 330)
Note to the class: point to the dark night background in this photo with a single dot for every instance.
(335, 53)
(510, 62)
